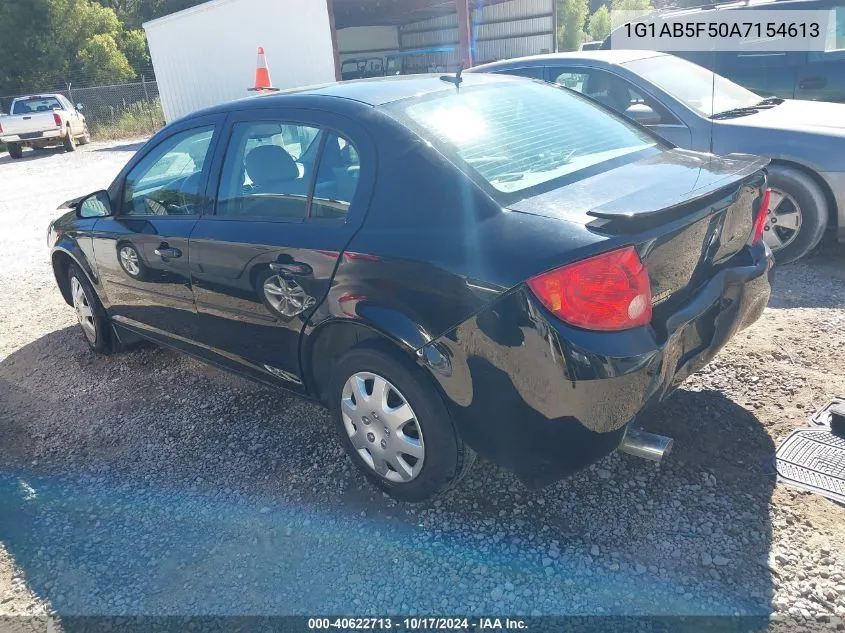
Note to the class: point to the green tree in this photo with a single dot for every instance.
(133, 13)
(599, 25)
(631, 5)
(44, 44)
(134, 45)
(102, 62)
(572, 14)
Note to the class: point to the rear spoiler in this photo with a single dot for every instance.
(746, 166)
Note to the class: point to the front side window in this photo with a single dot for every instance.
(609, 90)
(167, 180)
(696, 87)
(268, 171)
(521, 134)
(606, 88)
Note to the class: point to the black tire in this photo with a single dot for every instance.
(68, 142)
(446, 460)
(101, 341)
(15, 151)
(814, 210)
(86, 136)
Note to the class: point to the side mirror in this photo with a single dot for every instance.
(642, 114)
(97, 205)
(79, 106)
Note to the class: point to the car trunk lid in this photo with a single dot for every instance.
(688, 214)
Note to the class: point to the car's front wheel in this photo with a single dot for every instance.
(89, 311)
(394, 424)
(797, 215)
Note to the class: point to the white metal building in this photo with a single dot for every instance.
(207, 54)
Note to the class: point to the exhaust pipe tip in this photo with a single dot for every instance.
(646, 445)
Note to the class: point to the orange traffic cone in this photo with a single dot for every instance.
(262, 74)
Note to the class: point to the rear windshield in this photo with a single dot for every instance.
(36, 104)
(522, 134)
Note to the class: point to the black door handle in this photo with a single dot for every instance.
(166, 251)
(294, 269)
(812, 83)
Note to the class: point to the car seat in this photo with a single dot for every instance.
(278, 190)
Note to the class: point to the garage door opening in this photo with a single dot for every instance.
(403, 37)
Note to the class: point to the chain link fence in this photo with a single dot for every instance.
(123, 110)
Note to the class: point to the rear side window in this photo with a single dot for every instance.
(337, 178)
(520, 135)
(37, 104)
(271, 169)
(267, 173)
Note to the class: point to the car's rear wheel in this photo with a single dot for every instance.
(797, 215)
(89, 311)
(15, 151)
(394, 424)
(69, 143)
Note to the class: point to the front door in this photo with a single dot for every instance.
(142, 251)
(291, 195)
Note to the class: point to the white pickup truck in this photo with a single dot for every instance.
(42, 121)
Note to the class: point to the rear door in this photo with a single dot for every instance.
(142, 251)
(292, 190)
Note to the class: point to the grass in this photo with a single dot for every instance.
(139, 119)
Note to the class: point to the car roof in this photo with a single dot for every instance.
(608, 57)
(375, 91)
(738, 4)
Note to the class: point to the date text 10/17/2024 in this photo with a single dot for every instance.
(418, 624)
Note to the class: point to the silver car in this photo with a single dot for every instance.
(693, 108)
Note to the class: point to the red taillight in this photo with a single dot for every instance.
(762, 213)
(609, 292)
(57, 119)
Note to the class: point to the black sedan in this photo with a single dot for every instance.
(453, 266)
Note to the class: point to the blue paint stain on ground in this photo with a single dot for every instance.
(97, 545)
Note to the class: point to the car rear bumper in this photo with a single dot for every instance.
(32, 137)
(545, 399)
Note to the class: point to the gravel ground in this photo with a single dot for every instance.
(149, 483)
